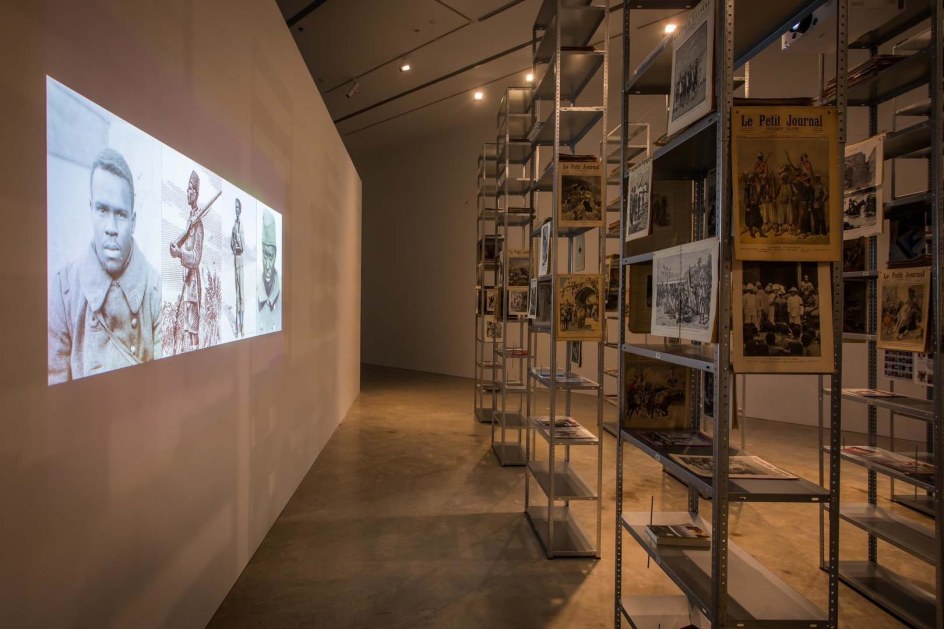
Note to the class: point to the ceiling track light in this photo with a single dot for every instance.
(404, 65)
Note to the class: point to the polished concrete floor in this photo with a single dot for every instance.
(406, 520)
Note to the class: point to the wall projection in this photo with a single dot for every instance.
(149, 254)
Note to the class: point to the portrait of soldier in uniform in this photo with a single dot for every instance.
(105, 305)
(269, 288)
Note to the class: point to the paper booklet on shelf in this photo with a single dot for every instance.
(675, 438)
(679, 535)
(740, 466)
(877, 393)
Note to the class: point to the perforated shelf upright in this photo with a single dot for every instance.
(485, 382)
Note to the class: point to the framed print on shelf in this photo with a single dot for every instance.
(579, 314)
(579, 192)
(782, 317)
(518, 272)
(864, 165)
(533, 299)
(657, 394)
(517, 301)
(544, 259)
(638, 203)
(785, 184)
(685, 281)
(691, 89)
(904, 301)
(493, 329)
(862, 214)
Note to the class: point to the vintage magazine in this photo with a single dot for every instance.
(639, 304)
(864, 164)
(580, 193)
(785, 184)
(657, 395)
(685, 281)
(579, 307)
(782, 317)
(863, 214)
(740, 466)
(638, 207)
(904, 302)
(692, 87)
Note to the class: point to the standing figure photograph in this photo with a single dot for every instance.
(239, 259)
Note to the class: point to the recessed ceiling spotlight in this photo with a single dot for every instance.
(404, 66)
(529, 77)
(670, 28)
(478, 95)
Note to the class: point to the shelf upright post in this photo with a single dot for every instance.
(724, 55)
(871, 344)
(484, 380)
(936, 189)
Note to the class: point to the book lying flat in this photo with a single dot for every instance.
(559, 421)
(675, 438)
(870, 393)
(678, 535)
(907, 465)
(740, 466)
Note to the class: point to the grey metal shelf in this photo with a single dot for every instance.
(852, 275)
(739, 489)
(689, 153)
(515, 186)
(699, 357)
(888, 471)
(858, 336)
(545, 432)
(890, 590)
(908, 140)
(914, 12)
(569, 383)
(915, 408)
(567, 482)
(517, 152)
(918, 201)
(899, 78)
(756, 596)
(653, 612)
(920, 108)
(885, 525)
(575, 124)
(509, 453)
(577, 69)
(922, 503)
(485, 415)
(568, 537)
(577, 27)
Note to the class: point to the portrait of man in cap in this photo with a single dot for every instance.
(105, 305)
(269, 288)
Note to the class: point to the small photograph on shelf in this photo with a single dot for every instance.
(863, 166)
(639, 304)
(491, 294)
(612, 282)
(691, 89)
(533, 299)
(898, 365)
(783, 322)
(675, 438)
(853, 255)
(493, 329)
(862, 215)
(785, 188)
(545, 294)
(519, 268)
(656, 393)
(579, 262)
(904, 464)
(576, 353)
(924, 370)
(579, 311)
(580, 190)
(638, 206)
(518, 301)
(904, 303)
(854, 307)
(685, 281)
(740, 466)
(544, 261)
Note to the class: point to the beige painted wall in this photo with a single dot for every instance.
(135, 498)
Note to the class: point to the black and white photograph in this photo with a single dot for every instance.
(853, 255)
(490, 295)
(924, 370)
(579, 262)
(864, 164)
(782, 318)
(492, 328)
(739, 466)
(580, 191)
(684, 284)
(533, 299)
(638, 207)
(671, 204)
(862, 215)
(785, 188)
(657, 394)
(238, 214)
(898, 365)
(639, 308)
(904, 303)
(545, 295)
(544, 261)
(103, 239)
(576, 353)
(518, 271)
(692, 87)
(579, 307)
(855, 306)
(517, 301)
(191, 261)
(269, 299)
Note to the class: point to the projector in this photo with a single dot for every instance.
(816, 32)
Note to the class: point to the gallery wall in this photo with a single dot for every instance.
(136, 498)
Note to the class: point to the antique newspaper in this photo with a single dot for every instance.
(786, 191)
(903, 308)
(692, 87)
(579, 307)
(579, 193)
(684, 283)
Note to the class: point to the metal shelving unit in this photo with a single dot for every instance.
(485, 379)
(514, 223)
(560, 497)
(880, 584)
(725, 585)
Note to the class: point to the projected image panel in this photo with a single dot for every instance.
(103, 239)
(149, 253)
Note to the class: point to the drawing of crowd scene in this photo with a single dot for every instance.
(781, 309)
